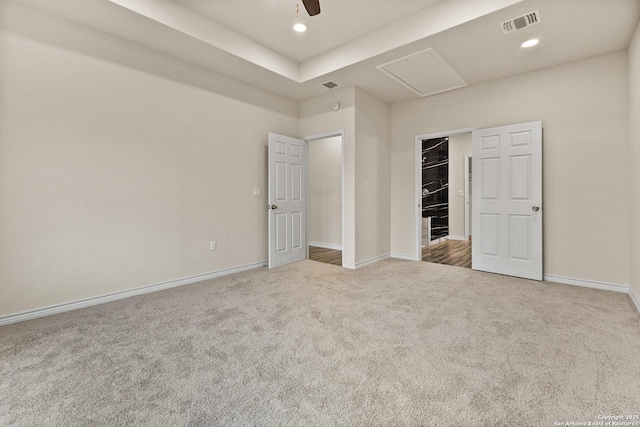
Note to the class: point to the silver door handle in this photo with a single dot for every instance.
(273, 207)
(535, 208)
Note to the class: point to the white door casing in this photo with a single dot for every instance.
(418, 182)
(287, 201)
(467, 198)
(507, 200)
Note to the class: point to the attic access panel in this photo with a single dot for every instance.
(423, 73)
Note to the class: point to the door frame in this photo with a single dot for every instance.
(467, 198)
(418, 182)
(314, 137)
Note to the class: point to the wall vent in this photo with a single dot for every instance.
(328, 85)
(520, 22)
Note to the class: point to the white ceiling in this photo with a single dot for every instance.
(269, 21)
(252, 40)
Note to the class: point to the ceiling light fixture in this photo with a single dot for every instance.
(530, 43)
(299, 26)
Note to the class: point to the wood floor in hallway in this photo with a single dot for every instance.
(328, 256)
(450, 252)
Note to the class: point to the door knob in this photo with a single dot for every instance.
(273, 207)
(535, 208)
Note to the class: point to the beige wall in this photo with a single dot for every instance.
(316, 117)
(634, 121)
(583, 107)
(365, 121)
(324, 191)
(459, 146)
(119, 165)
(373, 177)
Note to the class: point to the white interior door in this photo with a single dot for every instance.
(507, 200)
(287, 216)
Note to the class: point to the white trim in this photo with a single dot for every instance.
(456, 238)
(443, 133)
(467, 198)
(634, 299)
(418, 182)
(88, 302)
(417, 160)
(367, 262)
(586, 283)
(403, 256)
(330, 134)
(326, 245)
(323, 135)
(436, 241)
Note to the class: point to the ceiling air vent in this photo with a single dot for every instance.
(328, 85)
(520, 22)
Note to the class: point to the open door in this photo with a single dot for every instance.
(507, 200)
(286, 204)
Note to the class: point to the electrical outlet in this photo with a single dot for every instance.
(213, 245)
(256, 192)
(460, 193)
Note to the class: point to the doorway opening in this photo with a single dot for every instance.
(435, 190)
(325, 195)
(443, 197)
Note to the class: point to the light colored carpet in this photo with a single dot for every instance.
(394, 343)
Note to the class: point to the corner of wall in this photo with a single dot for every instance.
(634, 299)
(634, 158)
(317, 116)
(107, 150)
(372, 176)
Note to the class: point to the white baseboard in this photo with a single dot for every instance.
(595, 285)
(88, 302)
(326, 245)
(634, 299)
(587, 283)
(404, 257)
(456, 238)
(372, 260)
(366, 262)
(441, 239)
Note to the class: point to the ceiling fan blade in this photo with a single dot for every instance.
(312, 6)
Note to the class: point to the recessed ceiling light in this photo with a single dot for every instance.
(299, 27)
(530, 43)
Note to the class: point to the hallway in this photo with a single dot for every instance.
(449, 252)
